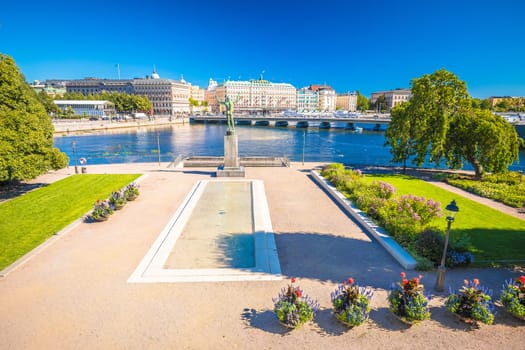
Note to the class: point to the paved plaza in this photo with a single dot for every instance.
(74, 293)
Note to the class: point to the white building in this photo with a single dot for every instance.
(88, 108)
(307, 100)
(168, 97)
(254, 96)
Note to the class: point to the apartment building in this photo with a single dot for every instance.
(167, 96)
(347, 101)
(392, 97)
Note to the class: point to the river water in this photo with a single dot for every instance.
(312, 144)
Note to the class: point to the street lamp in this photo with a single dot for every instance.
(74, 144)
(451, 209)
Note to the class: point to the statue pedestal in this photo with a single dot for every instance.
(231, 167)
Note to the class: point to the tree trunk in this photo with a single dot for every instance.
(478, 170)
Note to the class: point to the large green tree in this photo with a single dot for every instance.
(26, 131)
(123, 102)
(438, 122)
(486, 141)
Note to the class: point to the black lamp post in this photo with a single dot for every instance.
(452, 209)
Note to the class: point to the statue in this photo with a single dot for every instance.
(228, 104)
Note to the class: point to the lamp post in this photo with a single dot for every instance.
(74, 145)
(452, 209)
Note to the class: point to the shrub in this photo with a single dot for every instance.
(351, 303)
(430, 244)
(293, 308)
(408, 301)
(513, 297)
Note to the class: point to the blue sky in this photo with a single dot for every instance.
(350, 45)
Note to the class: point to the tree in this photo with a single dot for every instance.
(486, 141)
(26, 131)
(362, 102)
(401, 134)
(436, 100)
(380, 105)
(47, 102)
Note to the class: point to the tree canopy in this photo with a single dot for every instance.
(362, 102)
(439, 122)
(26, 131)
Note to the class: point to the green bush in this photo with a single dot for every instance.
(430, 244)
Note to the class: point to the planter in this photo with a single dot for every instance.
(100, 218)
(405, 320)
(131, 197)
(118, 206)
(519, 317)
(347, 324)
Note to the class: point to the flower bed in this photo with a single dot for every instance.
(293, 308)
(472, 303)
(351, 303)
(102, 210)
(408, 301)
(513, 297)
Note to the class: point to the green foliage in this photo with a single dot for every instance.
(351, 303)
(508, 188)
(123, 102)
(472, 302)
(362, 102)
(513, 297)
(483, 139)
(408, 301)
(37, 215)
(26, 131)
(293, 308)
(429, 244)
(47, 102)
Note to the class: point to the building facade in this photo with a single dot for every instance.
(168, 97)
(88, 108)
(95, 86)
(347, 102)
(327, 97)
(307, 100)
(392, 97)
(254, 96)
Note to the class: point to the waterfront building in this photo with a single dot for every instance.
(515, 103)
(95, 86)
(168, 97)
(88, 108)
(392, 97)
(254, 96)
(50, 89)
(347, 101)
(327, 97)
(307, 100)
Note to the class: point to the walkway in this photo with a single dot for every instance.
(74, 295)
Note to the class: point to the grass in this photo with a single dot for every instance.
(30, 219)
(495, 237)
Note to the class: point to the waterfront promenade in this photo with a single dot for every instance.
(74, 294)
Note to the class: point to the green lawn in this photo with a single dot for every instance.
(495, 236)
(30, 219)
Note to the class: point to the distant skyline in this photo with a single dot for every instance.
(350, 45)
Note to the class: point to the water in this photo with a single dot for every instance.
(141, 145)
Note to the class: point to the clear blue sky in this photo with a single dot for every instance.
(350, 45)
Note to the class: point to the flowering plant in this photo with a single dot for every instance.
(101, 210)
(472, 302)
(513, 297)
(351, 303)
(131, 191)
(117, 199)
(408, 301)
(294, 308)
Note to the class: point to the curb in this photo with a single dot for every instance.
(391, 246)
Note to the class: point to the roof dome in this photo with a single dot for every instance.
(155, 75)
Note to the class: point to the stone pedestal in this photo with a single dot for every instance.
(231, 167)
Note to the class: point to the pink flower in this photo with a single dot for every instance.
(416, 280)
(404, 281)
(403, 275)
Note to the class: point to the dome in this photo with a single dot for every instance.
(155, 75)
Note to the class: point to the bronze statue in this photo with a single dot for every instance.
(228, 104)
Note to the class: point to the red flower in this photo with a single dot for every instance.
(298, 293)
(416, 280)
(475, 281)
(293, 279)
(403, 275)
(351, 280)
(522, 279)
(404, 281)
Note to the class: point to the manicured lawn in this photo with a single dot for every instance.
(30, 219)
(495, 236)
